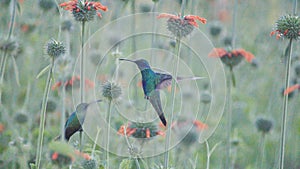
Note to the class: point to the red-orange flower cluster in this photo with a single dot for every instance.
(73, 5)
(72, 81)
(130, 131)
(190, 18)
(221, 52)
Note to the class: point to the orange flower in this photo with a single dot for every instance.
(191, 19)
(83, 155)
(72, 80)
(148, 133)
(2, 128)
(200, 125)
(74, 5)
(221, 52)
(291, 89)
(54, 156)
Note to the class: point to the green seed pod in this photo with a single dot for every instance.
(89, 164)
(179, 27)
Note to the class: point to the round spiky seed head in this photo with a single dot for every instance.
(205, 97)
(111, 90)
(21, 118)
(11, 46)
(215, 29)
(264, 125)
(288, 26)
(89, 164)
(67, 25)
(51, 106)
(235, 142)
(190, 138)
(145, 8)
(179, 27)
(46, 4)
(227, 41)
(55, 48)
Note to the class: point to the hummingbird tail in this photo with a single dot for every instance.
(163, 119)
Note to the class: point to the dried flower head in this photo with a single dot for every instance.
(205, 97)
(89, 164)
(111, 90)
(67, 25)
(233, 57)
(215, 28)
(181, 26)
(11, 46)
(21, 118)
(83, 10)
(287, 26)
(264, 125)
(140, 130)
(55, 48)
(46, 5)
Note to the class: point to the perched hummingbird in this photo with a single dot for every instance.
(76, 119)
(152, 82)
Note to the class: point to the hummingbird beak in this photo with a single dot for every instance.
(123, 59)
(95, 101)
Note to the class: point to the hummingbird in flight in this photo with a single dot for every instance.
(75, 120)
(152, 82)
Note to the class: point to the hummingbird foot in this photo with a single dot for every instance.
(147, 97)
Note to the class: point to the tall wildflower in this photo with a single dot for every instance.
(287, 26)
(180, 26)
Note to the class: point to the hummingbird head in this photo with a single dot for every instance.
(82, 107)
(141, 63)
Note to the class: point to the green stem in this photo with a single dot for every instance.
(63, 112)
(108, 119)
(234, 23)
(4, 57)
(232, 76)
(229, 119)
(82, 59)
(43, 117)
(285, 108)
(207, 154)
(295, 7)
(96, 140)
(82, 75)
(262, 151)
(173, 89)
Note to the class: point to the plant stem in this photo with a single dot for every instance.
(229, 119)
(234, 16)
(43, 117)
(232, 76)
(207, 154)
(63, 112)
(96, 139)
(173, 93)
(262, 151)
(108, 118)
(82, 76)
(285, 108)
(82, 59)
(4, 57)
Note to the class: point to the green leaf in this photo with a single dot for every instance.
(16, 70)
(43, 71)
(19, 8)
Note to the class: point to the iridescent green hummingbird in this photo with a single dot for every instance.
(76, 119)
(152, 82)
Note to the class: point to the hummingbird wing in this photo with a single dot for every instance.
(156, 103)
(72, 126)
(165, 80)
